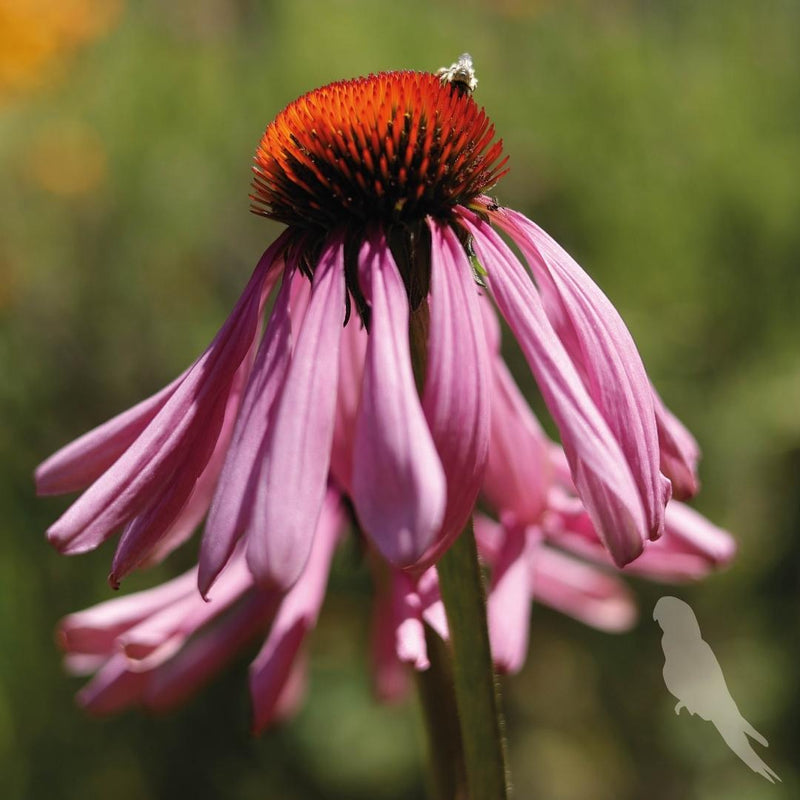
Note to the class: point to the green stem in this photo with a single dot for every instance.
(464, 596)
(477, 701)
(446, 768)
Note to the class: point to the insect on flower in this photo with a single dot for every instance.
(460, 74)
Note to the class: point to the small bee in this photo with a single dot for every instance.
(461, 74)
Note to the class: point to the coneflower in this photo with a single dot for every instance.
(381, 182)
(377, 377)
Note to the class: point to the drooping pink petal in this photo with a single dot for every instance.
(296, 616)
(175, 647)
(581, 591)
(183, 502)
(95, 630)
(272, 670)
(159, 637)
(231, 507)
(300, 295)
(351, 372)
(113, 689)
(690, 548)
(83, 461)
(519, 471)
(679, 452)
(171, 683)
(80, 665)
(599, 468)
(126, 488)
(433, 613)
(161, 634)
(399, 488)
(198, 502)
(508, 605)
(455, 398)
(695, 532)
(406, 622)
(390, 677)
(289, 495)
(600, 344)
(491, 326)
(294, 689)
(405, 605)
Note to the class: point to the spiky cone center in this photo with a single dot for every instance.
(389, 148)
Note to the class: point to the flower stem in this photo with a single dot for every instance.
(477, 702)
(446, 768)
(476, 690)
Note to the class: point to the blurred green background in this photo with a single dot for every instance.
(658, 141)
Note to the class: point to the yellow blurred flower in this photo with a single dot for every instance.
(36, 35)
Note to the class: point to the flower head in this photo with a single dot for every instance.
(391, 148)
(405, 406)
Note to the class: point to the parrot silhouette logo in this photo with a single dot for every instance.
(693, 675)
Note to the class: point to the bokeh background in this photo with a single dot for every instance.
(658, 141)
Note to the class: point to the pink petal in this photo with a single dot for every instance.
(206, 653)
(491, 327)
(490, 537)
(509, 602)
(696, 533)
(433, 613)
(149, 463)
(599, 468)
(456, 394)
(351, 373)
(679, 451)
(598, 341)
(83, 461)
(294, 690)
(159, 637)
(183, 503)
(399, 488)
(406, 621)
(390, 676)
(296, 616)
(291, 489)
(519, 469)
(113, 689)
(690, 548)
(401, 614)
(232, 504)
(96, 629)
(161, 634)
(519, 472)
(81, 665)
(300, 295)
(581, 591)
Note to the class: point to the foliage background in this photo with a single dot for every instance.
(658, 141)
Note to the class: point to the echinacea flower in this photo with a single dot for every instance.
(381, 184)
(377, 372)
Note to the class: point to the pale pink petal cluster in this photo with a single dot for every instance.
(155, 648)
(541, 546)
